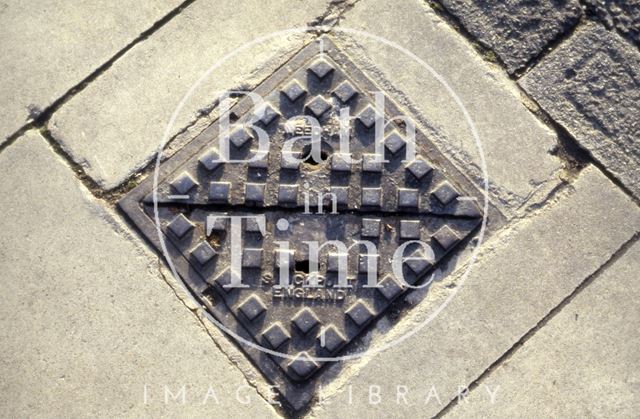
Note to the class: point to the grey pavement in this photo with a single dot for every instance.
(516, 149)
(545, 323)
(98, 128)
(549, 255)
(517, 31)
(619, 14)
(49, 47)
(590, 86)
(578, 364)
(89, 327)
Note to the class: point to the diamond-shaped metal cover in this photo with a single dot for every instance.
(386, 203)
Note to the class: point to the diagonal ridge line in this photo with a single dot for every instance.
(45, 115)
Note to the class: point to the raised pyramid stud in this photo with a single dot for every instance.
(288, 194)
(372, 163)
(252, 307)
(370, 197)
(203, 253)
(408, 198)
(318, 106)
(367, 116)
(218, 223)
(389, 288)
(340, 162)
(305, 320)
(251, 225)
(339, 193)
(409, 229)
(364, 259)
(445, 193)
(321, 68)
(331, 339)
(266, 114)
(345, 91)
(254, 192)
(183, 183)
(418, 265)
(293, 91)
(180, 225)
(360, 313)
(219, 191)
(210, 160)
(224, 279)
(261, 163)
(446, 237)
(276, 335)
(370, 227)
(302, 365)
(239, 137)
(333, 261)
(394, 142)
(417, 262)
(251, 258)
(290, 161)
(419, 168)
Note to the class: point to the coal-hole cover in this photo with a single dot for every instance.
(291, 196)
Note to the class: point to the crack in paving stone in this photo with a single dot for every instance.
(42, 116)
(540, 324)
(113, 195)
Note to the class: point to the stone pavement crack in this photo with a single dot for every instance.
(621, 15)
(552, 196)
(486, 27)
(43, 116)
(574, 157)
(332, 16)
(547, 50)
(109, 197)
(568, 149)
(554, 311)
(485, 51)
(113, 195)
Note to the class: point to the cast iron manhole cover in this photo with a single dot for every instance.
(325, 198)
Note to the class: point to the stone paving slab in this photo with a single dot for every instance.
(516, 30)
(50, 46)
(520, 276)
(591, 86)
(86, 320)
(624, 15)
(116, 124)
(516, 145)
(581, 364)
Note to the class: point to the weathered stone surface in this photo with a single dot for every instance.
(517, 30)
(515, 144)
(86, 321)
(49, 46)
(116, 124)
(591, 85)
(581, 364)
(624, 15)
(519, 277)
